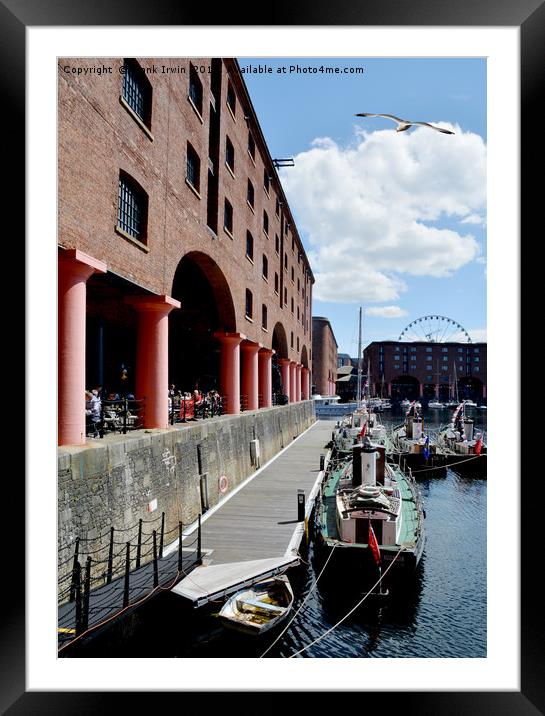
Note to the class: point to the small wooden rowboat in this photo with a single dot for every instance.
(259, 608)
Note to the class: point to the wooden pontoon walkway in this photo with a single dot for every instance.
(260, 521)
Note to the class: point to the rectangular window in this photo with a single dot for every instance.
(132, 208)
(277, 207)
(263, 316)
(292, 275)
(250, 194)
(249, 246)
(231, 98)
(251, 145)
(429, 350)
(137, 90)
(292, 305)
(276, 283)
(285, 296)
(265, 271)
(249, 300)
(475, 350)
(266, 181)
(291, 341)
(195, 88)
(266, 223)
(229, 154)
(285, 262)
(228, 217)
(277, 244)
(193, 168)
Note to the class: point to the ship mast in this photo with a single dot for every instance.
(358, 389)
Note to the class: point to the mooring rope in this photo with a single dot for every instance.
(450, 464)
(350, 612)
(301, 605)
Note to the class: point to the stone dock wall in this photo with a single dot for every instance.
(116, 481)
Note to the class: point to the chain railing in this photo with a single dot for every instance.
(115, 416)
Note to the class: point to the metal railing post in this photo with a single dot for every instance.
(73, 583)
(180, 555)
(110, 557)
(127, 571)
(161, 539)
(139, 545)
(77, 575)
(87, 589)
(155, 570)
(199, 543)
(125, 408)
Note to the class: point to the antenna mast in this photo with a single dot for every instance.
(358, 389)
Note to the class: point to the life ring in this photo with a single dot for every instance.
(223, 484)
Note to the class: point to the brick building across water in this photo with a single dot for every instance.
(179, 259)
(324, 352)
(401, 369)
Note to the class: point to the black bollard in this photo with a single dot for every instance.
(300, 505)
(322, 461)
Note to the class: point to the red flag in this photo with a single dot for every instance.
(361, 433)
(373, 544)
(478, 445)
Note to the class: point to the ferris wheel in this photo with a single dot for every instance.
(435, 329)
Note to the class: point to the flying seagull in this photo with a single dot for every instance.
(404, 124)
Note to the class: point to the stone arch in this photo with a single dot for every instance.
(280, 341)
(206, 307)
(470, 388)
(304, 357)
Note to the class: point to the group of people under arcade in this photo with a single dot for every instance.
(186, 405)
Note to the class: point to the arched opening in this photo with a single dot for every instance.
(405, 387)
(304, 357)
(280, 347)
(470, 388)
(206, 307)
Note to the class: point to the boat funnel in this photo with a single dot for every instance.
(364, 461)
(468, 428)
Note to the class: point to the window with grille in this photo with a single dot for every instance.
(132, 209)
(137, 90)
(228, 217)
(195, 88)
(249, 301)
(230, 154)
(249, 246)
(193, 168)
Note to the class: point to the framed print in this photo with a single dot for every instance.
(498, 669)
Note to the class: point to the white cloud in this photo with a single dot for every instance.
(372, 211)
(386, 311)
(474, 219)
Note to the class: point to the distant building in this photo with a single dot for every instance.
(401, 369)
(343, 359)
(324, 356)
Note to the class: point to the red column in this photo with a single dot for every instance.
(298, 369)
(250, 383)
(75, 268)
(292, 382)
(230, 370)
(285, 373)
(152, 356)
(265, 376)
(305, 384)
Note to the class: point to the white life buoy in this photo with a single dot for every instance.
(223, 484)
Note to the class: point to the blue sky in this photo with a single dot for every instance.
(392, 221)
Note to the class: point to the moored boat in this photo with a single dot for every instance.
(259, 608)
(463, 447)
(409, 444)
(364, 496)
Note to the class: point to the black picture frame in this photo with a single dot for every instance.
(529, 16)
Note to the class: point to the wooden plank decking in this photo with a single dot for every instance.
(261, 519)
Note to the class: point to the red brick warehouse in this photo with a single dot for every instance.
(179, 259)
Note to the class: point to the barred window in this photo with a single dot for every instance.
(195, 88)
(193, 167)
(132, 209)
(137, 90)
